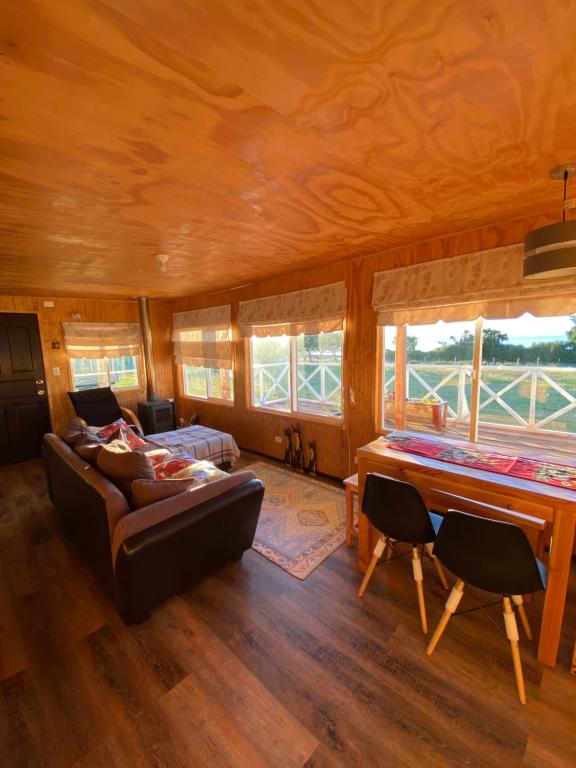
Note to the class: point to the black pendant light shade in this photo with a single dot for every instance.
(551, 251)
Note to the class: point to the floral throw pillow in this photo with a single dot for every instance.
(105, 433)
(169, 468)
(128, 436)
(201, 471)
(119, 430)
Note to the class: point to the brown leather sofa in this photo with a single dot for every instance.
(142, 557)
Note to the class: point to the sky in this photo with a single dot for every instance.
(524, 330)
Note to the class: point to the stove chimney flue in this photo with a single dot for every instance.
(143, 307)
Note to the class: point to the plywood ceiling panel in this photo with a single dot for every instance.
(245, 138)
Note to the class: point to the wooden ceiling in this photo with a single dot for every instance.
(246, 138)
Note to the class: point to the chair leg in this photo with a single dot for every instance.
(349, 517)
(376, 555)
(519, 603)
(418, 578)
(389, 549)
(512, 635)
(451, 606)
(437, 565)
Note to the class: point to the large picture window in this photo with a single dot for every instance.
(298, 374)
(489, 380)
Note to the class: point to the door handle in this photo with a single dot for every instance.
(40, 392)
(39, 381)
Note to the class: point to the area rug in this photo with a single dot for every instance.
(302, 520)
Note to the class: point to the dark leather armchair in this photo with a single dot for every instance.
(99, 407)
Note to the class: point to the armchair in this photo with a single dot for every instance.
(99, 407)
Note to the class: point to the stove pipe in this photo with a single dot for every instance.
(147, 344)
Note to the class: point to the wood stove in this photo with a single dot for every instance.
(156, 416)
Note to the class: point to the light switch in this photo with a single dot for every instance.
(56, 371)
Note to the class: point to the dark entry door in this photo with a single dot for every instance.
(24, 414)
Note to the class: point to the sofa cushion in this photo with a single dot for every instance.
(106, 433)
(88, 449)
(202, 472)
(141, 519)
(127, 436)
(123, 466)
(146, 492)
(155, 454)
(76, 429)
(171, 465)
(88, 446)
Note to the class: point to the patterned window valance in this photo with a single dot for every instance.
(96, 340)
(314, 310)
(487, 283)
(202, 337)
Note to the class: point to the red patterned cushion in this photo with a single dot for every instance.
(105, 433)
(167, 469)
(128, 436)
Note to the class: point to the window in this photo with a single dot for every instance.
(115, 372)
(103, 354)
(203, 348)
(298, 374)
(528, 377)
(208, 383)
(494, 379)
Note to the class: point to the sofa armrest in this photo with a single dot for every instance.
(142, 519)
(131, 419)
(184, 543)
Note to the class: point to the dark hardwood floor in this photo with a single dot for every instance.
(254, 668)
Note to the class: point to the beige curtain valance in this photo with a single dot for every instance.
(314, 310)
(96, 340)
(487, 283)
(209, 318)
(202, 337)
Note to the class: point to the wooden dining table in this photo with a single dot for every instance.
(535, 505)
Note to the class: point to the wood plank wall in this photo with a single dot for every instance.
(50, 320)
(256, 430)
(336, 446)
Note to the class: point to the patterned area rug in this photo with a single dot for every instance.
(302, 520)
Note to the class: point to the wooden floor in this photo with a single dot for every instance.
(254, 668)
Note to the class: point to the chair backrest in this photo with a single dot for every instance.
(97, 407)
(396, 509)
(489, 554)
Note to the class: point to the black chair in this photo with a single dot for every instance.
(494, 556)
(397, 511)
(99, 407)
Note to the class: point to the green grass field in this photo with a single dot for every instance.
(548, 399)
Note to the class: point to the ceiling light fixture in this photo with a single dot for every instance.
(551, 251)
(162, 258)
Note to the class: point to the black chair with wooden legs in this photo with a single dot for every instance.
(494, 556)
(397, 511)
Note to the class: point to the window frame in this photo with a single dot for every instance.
(133, 388)
(293, 376)
(209, 398)
(400, 390)
(230, 402)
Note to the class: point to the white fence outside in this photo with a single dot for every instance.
(526, 397)
(318, 383)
